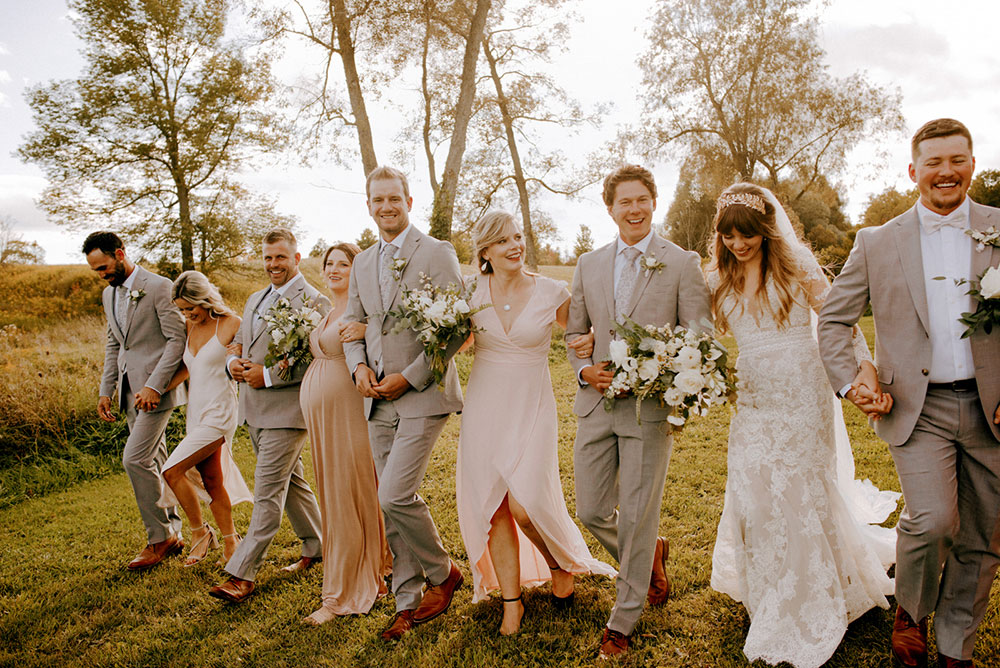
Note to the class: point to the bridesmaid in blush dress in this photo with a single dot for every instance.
(356, 556)
(511, 508)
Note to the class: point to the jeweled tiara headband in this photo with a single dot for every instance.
(755, 202)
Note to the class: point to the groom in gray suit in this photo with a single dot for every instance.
(943, 428)
(145, 343)
(406, 409)
(269, 404)
(621, 465)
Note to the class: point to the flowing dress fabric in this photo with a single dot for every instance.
(508, 442)
(356, 556)
(211, 415)
(802, 559)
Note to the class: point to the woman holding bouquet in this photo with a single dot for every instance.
(794, 543)
(201, 467)
(511, 509)
(356, 557)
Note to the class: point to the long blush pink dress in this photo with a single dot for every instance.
(356, 557)
(508, 442)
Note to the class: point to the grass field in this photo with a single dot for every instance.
(66, 599)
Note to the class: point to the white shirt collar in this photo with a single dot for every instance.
(130, 280)
(397, 242)
(642, 245)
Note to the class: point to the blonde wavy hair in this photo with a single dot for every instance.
(195, 288)
(488, 230)
(777, 262)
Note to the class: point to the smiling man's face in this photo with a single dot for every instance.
(632, 210)
(942, 170)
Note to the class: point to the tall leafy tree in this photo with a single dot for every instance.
(886, 205)
(985, 187)
(13, 247)
(747, 79)
(151, 136)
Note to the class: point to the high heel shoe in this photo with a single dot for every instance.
(223, 559)
(213, 542)
(561, 602)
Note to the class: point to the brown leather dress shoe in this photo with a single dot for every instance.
(659, 583)
(154, 553)
(233, 590)
(303, 564)
(401, 624)
(613, 644)
(948, 662)
(909, 641)
(437, 598)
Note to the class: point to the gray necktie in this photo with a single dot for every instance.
(121, 307)
(385, 277)
(258, 318)
(626, 283)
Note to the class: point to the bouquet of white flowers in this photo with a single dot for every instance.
(290, 330)
(986, 292)
(685, 371)
(438, 316)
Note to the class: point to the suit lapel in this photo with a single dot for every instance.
(253, 315)
(108, 296)
(410, 245)
(981, 218)
(606, 266)
(138, 284)
(911, 258)
(656, 248)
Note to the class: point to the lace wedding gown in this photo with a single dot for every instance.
(794, 543)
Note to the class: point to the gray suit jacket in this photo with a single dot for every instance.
(886, 268)
(150, 349)
(275, 407)
(403, 353)
(675, 295)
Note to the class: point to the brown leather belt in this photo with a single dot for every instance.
(967, 385)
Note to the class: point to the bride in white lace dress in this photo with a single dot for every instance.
(794, 543)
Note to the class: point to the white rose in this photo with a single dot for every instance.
(647, 344)
(436, 311)
(461, 306)
(673, 397)
(688, 357)
(689, 381)
(989, 286)
(619, 352)
(649, 369)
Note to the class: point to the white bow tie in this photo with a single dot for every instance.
(934, 221)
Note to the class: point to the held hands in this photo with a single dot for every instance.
(147, 399)
(391, 388)
(351, 331)
(867, 395)
(234, 349)
(105, 411)
(597, 376)
(583, 345)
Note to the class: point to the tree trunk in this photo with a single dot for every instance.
(425, 90)
(342, 24)
(515, 158)
(444, 199)
(187, 230)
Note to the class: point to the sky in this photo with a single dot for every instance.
(941, 56)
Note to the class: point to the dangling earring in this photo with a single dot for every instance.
(484, 265)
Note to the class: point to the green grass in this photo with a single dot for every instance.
(66, 599)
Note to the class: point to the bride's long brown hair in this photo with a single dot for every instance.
(777, 262)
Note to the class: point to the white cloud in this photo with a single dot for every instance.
(4, 76)
(4, 51)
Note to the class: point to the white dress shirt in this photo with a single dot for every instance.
(947, 252)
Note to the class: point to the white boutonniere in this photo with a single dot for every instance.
(135, 295)
(990, 237)
(398, 265)
(648, 263)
